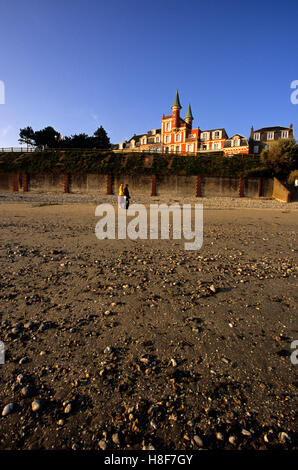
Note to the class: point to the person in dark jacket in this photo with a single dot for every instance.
(126, 193)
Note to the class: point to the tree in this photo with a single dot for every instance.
(281, 157)
(78, 141)
(47, 137)
(101, 139)
(50, 138)
(27, 136)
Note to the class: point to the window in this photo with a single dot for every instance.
(256, 149)
(177, 148)
(167, 138)
(189, 148)
(284, 134)
(215, 145)
(270, 135)
(236, 142)
(157, 138)
(205, 136)
(216, 135)
(177, 137)
(257, 136)
(144, 141)
(168, 126)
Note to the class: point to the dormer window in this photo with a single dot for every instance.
(270, 135)
(216, 134)
(236, 143)
(256, 136)
(205, 136)
(284, 134)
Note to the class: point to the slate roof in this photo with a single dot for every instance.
(272, 128)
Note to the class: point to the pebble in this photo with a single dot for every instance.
(284, 437)
(148, 447)
(232, 440)
(103, 445)
(153, 424)
(213, 289)
(8, 409)
(23, 360)
(219, 436)
(115, 438)
(68, 408)
(108, 350)
(36, 405)
(198, 441)
(27, 391)
(20, 379)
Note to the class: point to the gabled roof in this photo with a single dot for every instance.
(148, 134)
(240, 135)
(136, 137)
(216, 129)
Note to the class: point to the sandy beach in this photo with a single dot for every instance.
(136, 344)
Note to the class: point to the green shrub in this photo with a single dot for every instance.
(104, 162)
(293, 176)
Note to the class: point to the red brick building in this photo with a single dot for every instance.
(177, 134)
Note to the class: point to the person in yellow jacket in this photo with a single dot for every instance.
(121, 193)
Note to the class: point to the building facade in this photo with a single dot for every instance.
(235, 145)
(177, 135)
(262, 138)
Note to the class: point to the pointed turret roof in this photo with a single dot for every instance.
(177, 101)
(189, 113)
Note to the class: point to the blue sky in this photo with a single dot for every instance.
(79, 64)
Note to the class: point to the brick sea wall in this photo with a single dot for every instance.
(151, 185)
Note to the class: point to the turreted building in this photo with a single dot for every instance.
(177, 135)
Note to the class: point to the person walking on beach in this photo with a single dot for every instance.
(121, 190)
(121, 198)
(126, 193)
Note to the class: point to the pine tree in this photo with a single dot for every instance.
(101, 139)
